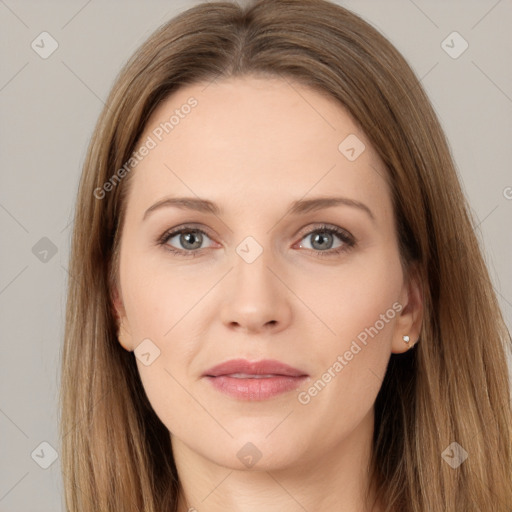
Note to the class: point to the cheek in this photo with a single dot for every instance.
(163, 309)
(159, 309)
(361, 306)
(355, 299)
(157, 297)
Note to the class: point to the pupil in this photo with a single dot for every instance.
(321, 238)
(187, 243)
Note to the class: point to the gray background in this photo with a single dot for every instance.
(48, 110)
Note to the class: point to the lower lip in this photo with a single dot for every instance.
(255, 389)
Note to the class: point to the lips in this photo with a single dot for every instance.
(241, 368)
(259, 380)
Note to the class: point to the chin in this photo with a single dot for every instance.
(255, 450)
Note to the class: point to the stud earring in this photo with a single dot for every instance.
(407, 340)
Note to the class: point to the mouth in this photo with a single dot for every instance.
(254, 381)
(248, 376)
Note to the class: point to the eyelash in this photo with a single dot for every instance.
(348, 241)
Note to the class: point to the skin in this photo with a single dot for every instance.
(253, 145)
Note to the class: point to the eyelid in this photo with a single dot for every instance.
(318, 226)
(181, 228)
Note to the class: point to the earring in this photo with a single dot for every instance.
(407, 340)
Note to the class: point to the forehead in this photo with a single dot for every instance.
(259, 139)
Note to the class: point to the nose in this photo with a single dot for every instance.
(256, 299)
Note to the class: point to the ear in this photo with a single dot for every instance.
(411, 316)
(123, 332)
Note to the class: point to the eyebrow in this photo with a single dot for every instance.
(298, 207)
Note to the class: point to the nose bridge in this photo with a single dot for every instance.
(251, 273)
(255, 297)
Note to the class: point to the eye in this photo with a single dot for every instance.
(323, 239)
(186, 240)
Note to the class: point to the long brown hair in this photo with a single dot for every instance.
(452, 387)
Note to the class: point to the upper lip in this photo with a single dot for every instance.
(263, 367)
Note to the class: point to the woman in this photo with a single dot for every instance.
(278, 301)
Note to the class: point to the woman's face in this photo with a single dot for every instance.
(262, 271)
